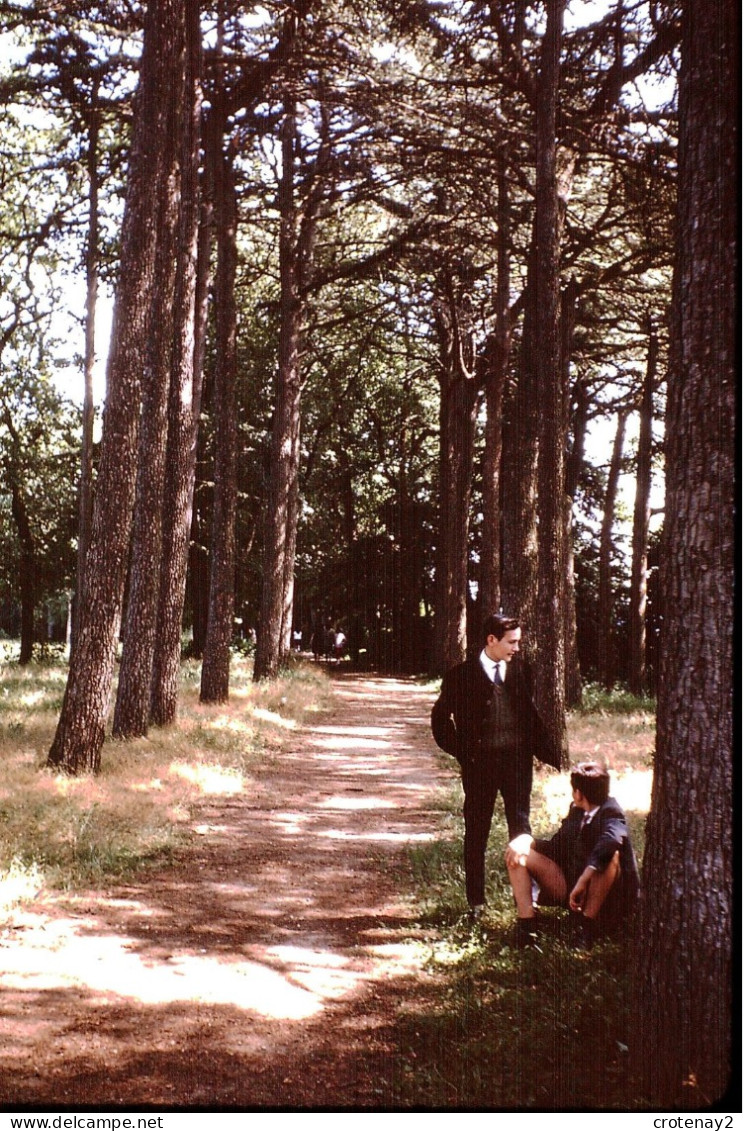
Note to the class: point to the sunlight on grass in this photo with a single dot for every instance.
(65, 832)
(213, 780)
(272, 717)
(18, 883)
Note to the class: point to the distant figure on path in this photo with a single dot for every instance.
(339, 645)
(486, 719)
(588, 865)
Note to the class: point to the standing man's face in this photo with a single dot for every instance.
(504, 648)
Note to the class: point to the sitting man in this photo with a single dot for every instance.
(588, 864)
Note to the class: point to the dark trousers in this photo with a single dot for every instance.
(509, 774)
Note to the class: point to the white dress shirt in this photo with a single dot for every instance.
(489, 666)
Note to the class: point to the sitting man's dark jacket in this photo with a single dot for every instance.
(575, 847)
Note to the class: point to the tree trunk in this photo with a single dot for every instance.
(550, 668)
(85, 492)
(457, 416)
(641, 516)
(215, 680)
(185, 399)
(519, 478)
(27, 563)
(498, 350)
(282, 497)
(683, 1017)
(570, 631)
(80, 731)
(132, 711)
(606, 649)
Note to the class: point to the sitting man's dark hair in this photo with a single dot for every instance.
(497, 624)
(593, 780)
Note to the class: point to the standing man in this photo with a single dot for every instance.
(485, 717)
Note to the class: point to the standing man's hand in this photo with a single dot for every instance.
(518, 850)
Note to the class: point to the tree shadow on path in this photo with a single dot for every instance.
(268, 967)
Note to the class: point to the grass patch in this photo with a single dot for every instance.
(68, 833)
(509, 1029)
(597, 700)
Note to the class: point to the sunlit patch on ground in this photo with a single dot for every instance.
(109, 967)
(272, 717)
(213, 780)
(632, 788)
(19, 882)
(356, 803)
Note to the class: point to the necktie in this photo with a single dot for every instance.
(497, 675)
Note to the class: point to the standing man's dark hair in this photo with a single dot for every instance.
(485, 717)
(497, 624)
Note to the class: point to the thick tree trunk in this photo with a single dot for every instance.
(498, 350)
(551, 552)
(519, 479)
(606, 649)
(185, 400)
(80, 731)
(641, 517)
(215, 679)
(132, 711)
(683, 1020)
(457, 416)
(282, 496)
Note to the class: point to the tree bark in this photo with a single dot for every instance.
(282, 496)
(606, 644)
(215, 679)
(19, 512)
(552, 435)
(498, 350)
(81, 727)
(85, 492)
(185, 398)
(641, 517)
(132, 711)
(457, 416)
(570, 631)
(683, 1007)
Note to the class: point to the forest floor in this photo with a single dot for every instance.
(266, 968)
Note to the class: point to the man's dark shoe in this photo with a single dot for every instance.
(475, 914)
(528, 934)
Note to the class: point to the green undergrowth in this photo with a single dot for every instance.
(70, 833)
(510, 1029)
(597, 700)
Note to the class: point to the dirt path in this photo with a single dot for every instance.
(265, 970)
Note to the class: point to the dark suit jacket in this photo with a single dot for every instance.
(575, 848)
(458, 714)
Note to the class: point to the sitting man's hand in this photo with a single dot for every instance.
(577, 897)
(518, 850)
